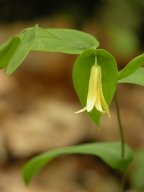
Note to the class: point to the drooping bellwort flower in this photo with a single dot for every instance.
(95, 97)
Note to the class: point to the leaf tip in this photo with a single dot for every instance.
(25, 177)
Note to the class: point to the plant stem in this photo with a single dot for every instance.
(120, 127)
(121, 136)
(123, 183)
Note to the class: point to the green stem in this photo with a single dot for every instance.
(121, 137)
(120, 127)
(123, 183)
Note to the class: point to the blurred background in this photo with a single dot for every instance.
(37, 102)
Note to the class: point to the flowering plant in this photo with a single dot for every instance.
(95, 79)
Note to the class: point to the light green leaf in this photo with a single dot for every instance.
(131, 67)
(136, 78)
(7, 50)
(108, 152)
(81, 75)
(15, 50)
(64, 40)
(26, 40)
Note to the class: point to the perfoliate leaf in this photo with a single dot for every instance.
(131, 67)
(64, 40)
(135, 78)
(81, 76)
(108, 152)
(26, 40)
(7, 50)
(15, 50)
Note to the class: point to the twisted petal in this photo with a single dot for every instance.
(98, 103)
(81, 110)
(104, 104)
(101, 104)
(95, 97)
(92, 90)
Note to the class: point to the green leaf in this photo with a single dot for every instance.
(136, 78)
(137, 175)
(81, 75)
(7, 50)
(108, 152)
(26, 40)
(131, 67)
(64, 40)
(15, 50)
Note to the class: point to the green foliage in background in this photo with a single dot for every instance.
(135, 78)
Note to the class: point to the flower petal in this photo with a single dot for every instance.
(103, 101)
(98, 103)
(81, 110)
(92, 90)
(104, 104)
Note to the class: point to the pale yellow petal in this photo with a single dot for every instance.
(104, 104)
(91, 98)
(103, 101)
(98, 103)
(95, 97)
(81, 110)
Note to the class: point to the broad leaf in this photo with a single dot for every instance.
(131, 67)
(81, 75)
(108, 152)
(63, 40)
(135, 78)
(15, 50)
(7, 50)
(26, 40)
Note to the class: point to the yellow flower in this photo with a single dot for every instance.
(95, 97)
